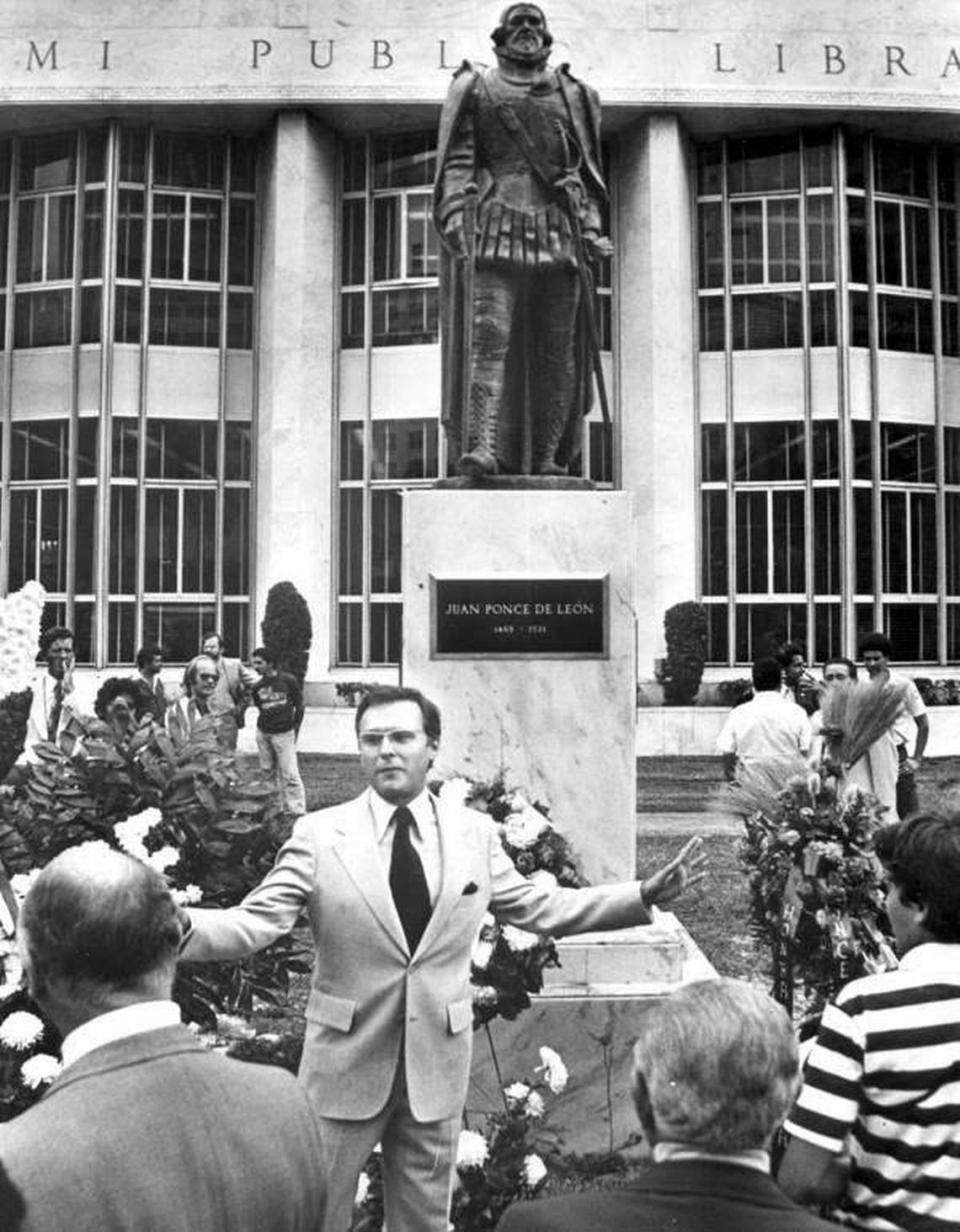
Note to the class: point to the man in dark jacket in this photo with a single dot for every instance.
(715, 1071)
(279, 699)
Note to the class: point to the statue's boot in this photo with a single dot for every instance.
(480, 460)
(549, 435)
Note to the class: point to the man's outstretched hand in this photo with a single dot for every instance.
(684, 870)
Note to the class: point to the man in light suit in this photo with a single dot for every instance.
(395, 885)
(715, 1071)
(55, 702)
(144, 1127)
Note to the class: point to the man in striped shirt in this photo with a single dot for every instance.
(876, 1128)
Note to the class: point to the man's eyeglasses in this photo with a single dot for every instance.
(399, 739)
(208, 675)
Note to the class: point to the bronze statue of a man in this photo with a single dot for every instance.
(517, 204)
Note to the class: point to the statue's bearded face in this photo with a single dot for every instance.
(523, 34)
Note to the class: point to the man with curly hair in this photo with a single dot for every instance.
(876, 1129)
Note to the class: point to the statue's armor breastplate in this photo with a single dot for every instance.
(521, 221)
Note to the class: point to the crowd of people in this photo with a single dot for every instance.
(785, 719)
(214, 688)
(143, 1128)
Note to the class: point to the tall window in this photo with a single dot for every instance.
(165, 554)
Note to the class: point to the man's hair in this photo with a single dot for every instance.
(499, 33)
(146, 653)
(715, 1066)
(190, 671)
(386, 695)
(790, 651)
(767, 675)
(100, 918)
(49, 636)
(876, 641)
(922, 857)
(268, 655)
(213, 633)
(118, 686)
(847, 663)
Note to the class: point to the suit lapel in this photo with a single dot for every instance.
(455, 865)
(356, 849)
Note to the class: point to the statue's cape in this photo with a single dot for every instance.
(584, 112)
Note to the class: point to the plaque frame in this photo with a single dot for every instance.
(602, 577)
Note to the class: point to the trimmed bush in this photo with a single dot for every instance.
(286, 628)
(685, 631)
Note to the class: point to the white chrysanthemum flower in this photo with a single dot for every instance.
(232, 1026)
(472, 1149)
(481, 954)
(39, 1070)
(93, 846)
(519, 939)
(516, 1093)
(20, 883)
(485, 994)
(517, 802)
(541, 877)
(189, 896)
(534, 1171)
(523, 829)
(20, 1030)
(455, 791)
(535, 1106)
(163, 859)
(363, 1188)
(554, 1071)
(131, 832)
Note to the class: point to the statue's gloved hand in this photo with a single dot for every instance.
(599, 247)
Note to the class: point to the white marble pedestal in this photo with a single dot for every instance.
(561, 728)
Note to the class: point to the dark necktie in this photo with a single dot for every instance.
(408, 883)
(56, 709)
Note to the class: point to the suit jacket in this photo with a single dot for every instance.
(674, 1196)
(41, 707)
(372, 1000)
(155, 1132)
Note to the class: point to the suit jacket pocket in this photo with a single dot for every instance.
(460, 1015)
(336, 1012)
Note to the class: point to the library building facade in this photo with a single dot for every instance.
(220, 362)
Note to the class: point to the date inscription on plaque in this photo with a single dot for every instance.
(544, 617)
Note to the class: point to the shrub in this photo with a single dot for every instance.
(286, 628)
(734, 692)
(685, 630)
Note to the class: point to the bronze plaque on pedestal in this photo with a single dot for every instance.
(520, 617)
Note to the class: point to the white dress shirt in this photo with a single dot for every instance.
(424, 835)
(117, 1025)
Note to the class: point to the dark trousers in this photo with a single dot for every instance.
(907, 803)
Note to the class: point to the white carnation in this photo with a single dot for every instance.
(523, 829)
(37, 1071)
(553, 1069)
(516, 1093)
(189, 896)
(163, 859)
(534, 1171)
(131, 832)
(20, 1030)
(363, 1188)
(472, 1149)
(535, 1106)
(519, 939)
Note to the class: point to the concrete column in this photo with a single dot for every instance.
(297, 350)
(657, 366)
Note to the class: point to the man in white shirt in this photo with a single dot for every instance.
(55, 703)
(769, 727)
(144, 1127)
(875, 651)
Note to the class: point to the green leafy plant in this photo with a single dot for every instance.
(287, 629)
(685, 632)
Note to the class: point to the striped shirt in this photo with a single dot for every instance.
(882, 1084)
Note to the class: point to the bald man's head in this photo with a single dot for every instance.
(99, 919)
